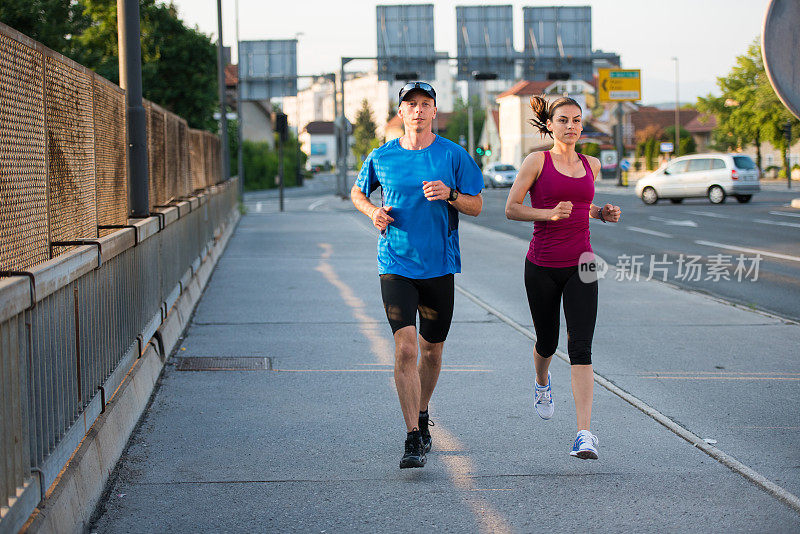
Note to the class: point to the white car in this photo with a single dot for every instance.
(715, 176)
(499, 175)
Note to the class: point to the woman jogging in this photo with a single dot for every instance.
(561, 186)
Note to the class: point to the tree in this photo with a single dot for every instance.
(457, 126)
(179, 69)
(588, 149)
(686, 141)
(365, 138)
(51, 22)
(748, 111)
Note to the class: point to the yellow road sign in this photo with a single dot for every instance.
(619, 85)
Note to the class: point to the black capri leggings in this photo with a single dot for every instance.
(545, 287)
(431, 297)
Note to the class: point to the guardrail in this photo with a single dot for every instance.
(83, 288)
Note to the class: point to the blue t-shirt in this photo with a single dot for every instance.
(422, 242)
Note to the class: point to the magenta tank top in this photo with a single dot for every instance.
(560, 243)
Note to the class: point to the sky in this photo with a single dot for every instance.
(705, 35)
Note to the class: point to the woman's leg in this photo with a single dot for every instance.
(580, 311)
(544, 300)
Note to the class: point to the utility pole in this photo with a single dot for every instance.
(470, 132)
(239, 118)
(130, 78)
(677, 111)
(787, 133)
(341, 181)
(619, 142)
(223, 119)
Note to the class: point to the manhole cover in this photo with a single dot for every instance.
(225, 364)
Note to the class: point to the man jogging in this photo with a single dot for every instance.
(425, 181)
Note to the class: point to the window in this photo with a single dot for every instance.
(744, 162)
(504, 168)
(718, 164)
(676, 168)
(696, 165)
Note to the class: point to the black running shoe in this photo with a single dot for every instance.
(424, 422)
(415, 452)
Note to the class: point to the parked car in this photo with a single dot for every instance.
(715, 176)
(499, 175)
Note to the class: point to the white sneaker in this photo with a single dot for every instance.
(585, 446)
(543, 396)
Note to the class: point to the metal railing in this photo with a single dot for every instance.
(84, 288)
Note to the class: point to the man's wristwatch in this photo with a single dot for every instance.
(453, 194)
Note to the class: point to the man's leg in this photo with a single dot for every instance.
(436, 298)
(406, 376)
(430, 363)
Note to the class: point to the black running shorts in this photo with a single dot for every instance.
(432, 297)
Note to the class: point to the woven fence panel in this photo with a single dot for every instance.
(23, 157)
(155, 151)
(217, 159)
(196, 159)
(171, 156)
(208, 160)
(184, 183)
(70, 135)
(110, 156)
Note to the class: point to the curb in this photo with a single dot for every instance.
(71, 500)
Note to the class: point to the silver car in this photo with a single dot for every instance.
(715, 176)
(499, 175)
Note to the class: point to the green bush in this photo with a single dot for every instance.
(589, 149)
(261, 164)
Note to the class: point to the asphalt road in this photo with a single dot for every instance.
(312, 444)
(744, 253)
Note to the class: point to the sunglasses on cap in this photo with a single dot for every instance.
(421, 86)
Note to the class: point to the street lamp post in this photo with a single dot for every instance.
(223, 119)
(239, 119)
(677, 111)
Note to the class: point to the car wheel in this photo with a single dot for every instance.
(649, 195)
(744, 199)
(716, 194)
(676, 200)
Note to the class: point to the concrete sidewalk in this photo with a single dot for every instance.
(311, 442)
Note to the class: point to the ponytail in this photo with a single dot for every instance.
(542, 112)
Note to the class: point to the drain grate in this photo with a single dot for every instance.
(225, 364)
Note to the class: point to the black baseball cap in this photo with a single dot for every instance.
(425, 87)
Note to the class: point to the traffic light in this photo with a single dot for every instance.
(479, 151)
(488, 150)
(281, 125)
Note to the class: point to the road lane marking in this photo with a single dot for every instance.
(648, 232)
(722, 373)
(776, 223)
(750, 250)
(459, 466)
(673, 222)
(369, 327)
(376, 370)
(314, 205)
(657, 377)
(709, 214)
(769, 427)
(785, 214)
(783, 495)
